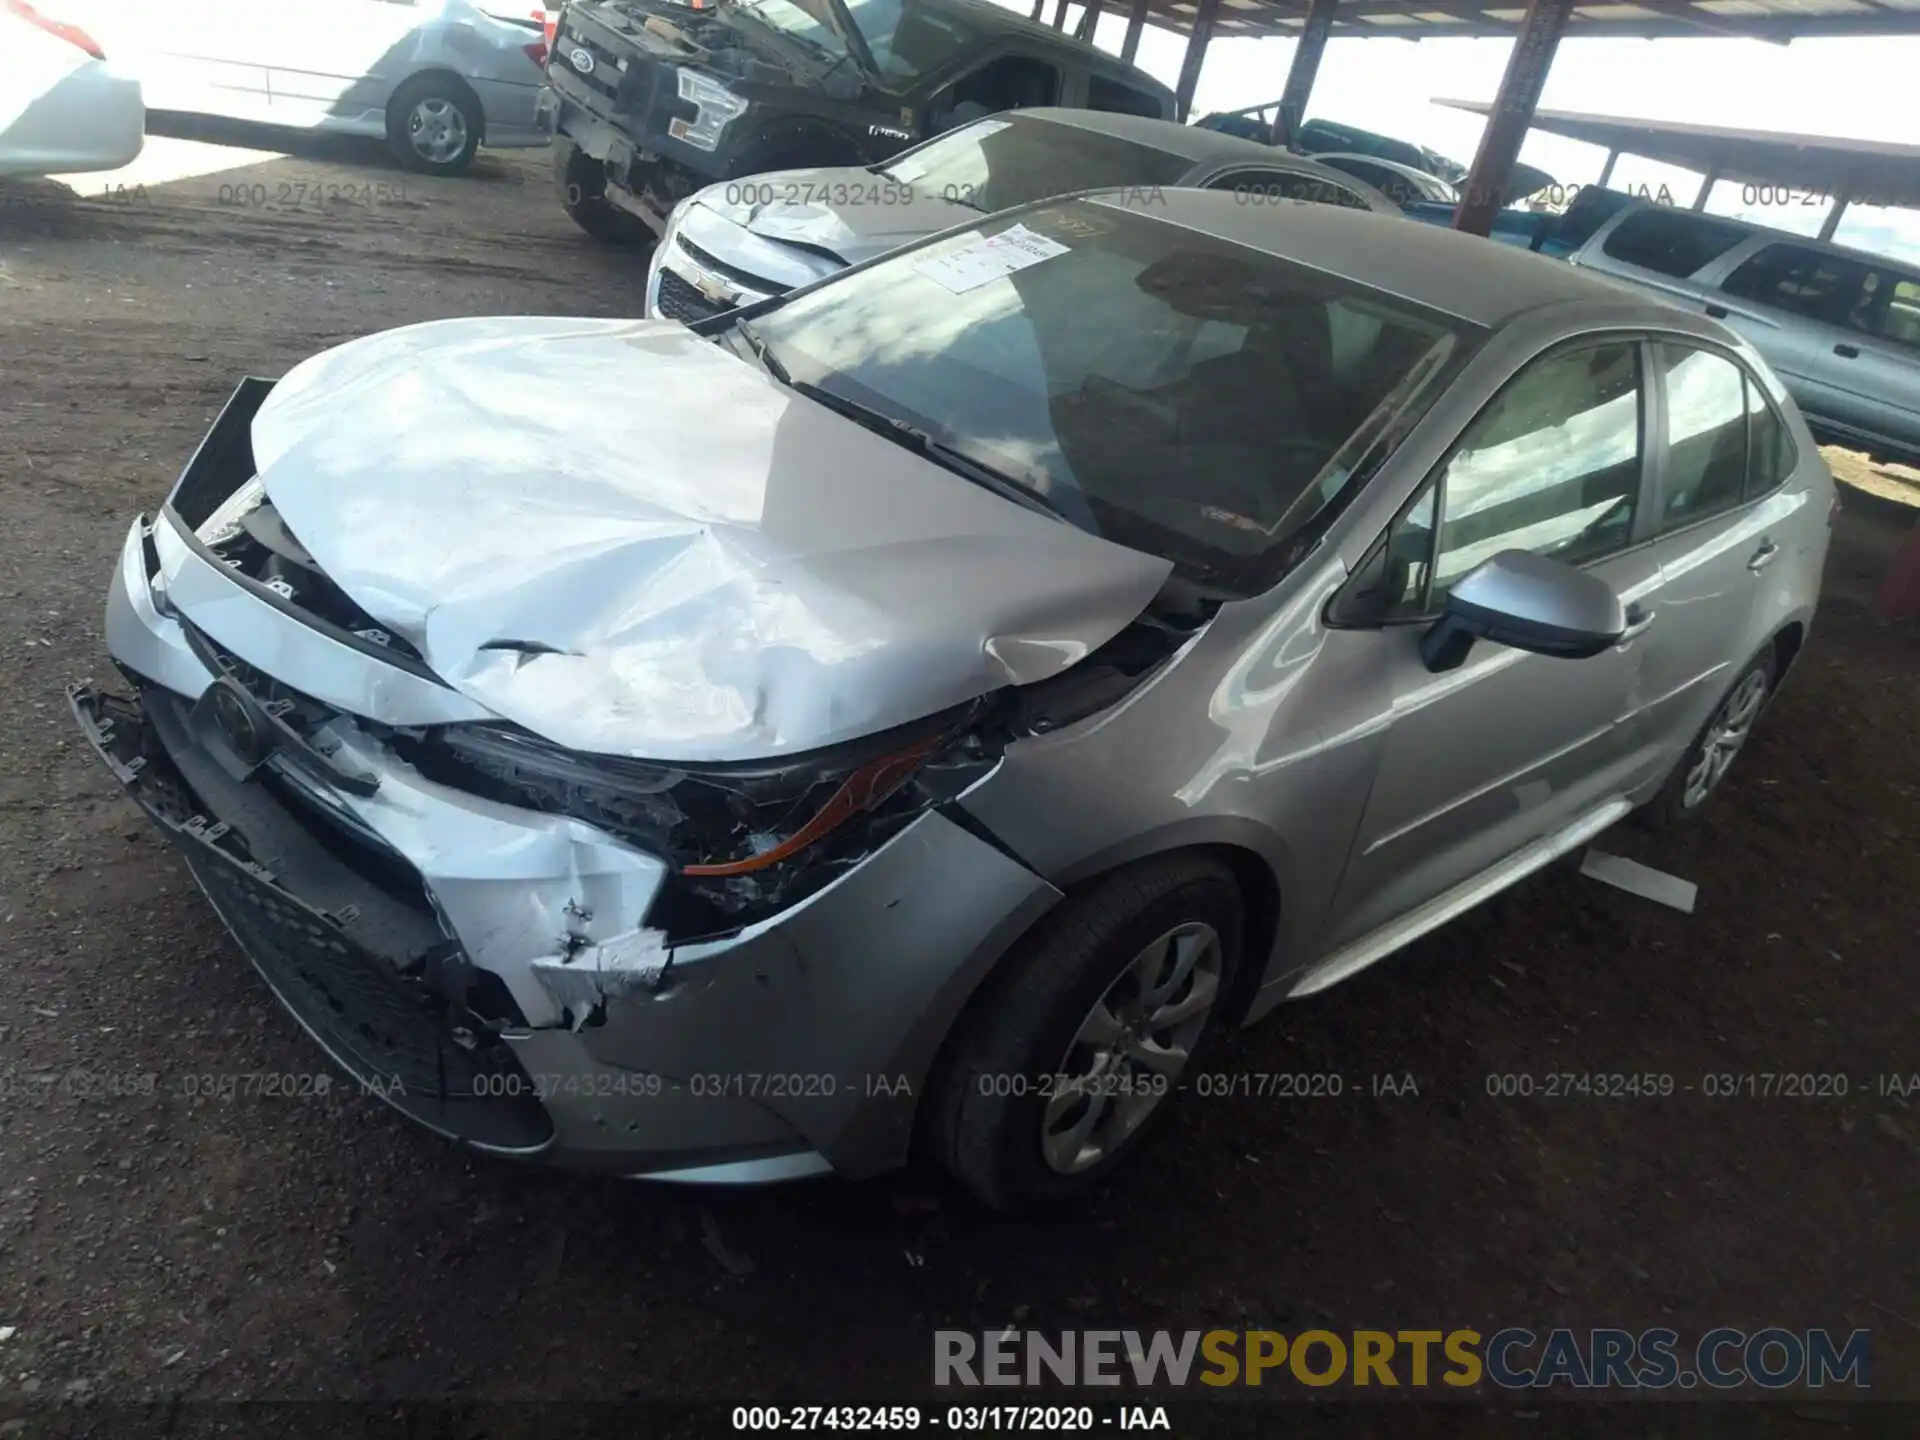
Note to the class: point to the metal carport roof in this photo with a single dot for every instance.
(1867, 171)
(1778, 20)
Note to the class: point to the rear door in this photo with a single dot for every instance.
(1793, 302)
(1716, 522)
(342, 59)
(1884, 370)
(199, 57)
(1510, 747)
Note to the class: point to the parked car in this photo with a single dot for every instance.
(656, 102)
(63, 108)
(927, 708)
(1840, 326)
(435, 78)
(1545, 232)
(1401, 184)
(741, 241)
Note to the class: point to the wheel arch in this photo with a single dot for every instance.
(1787, 642)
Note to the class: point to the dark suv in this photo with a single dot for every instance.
(658, 98)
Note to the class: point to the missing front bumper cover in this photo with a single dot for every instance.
(355, 967)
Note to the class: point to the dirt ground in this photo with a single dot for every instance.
(167, 1247)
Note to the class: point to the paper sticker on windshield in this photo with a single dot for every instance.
(972, 266)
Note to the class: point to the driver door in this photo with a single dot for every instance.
(1479, 761)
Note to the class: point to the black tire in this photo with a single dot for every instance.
(452, 106)
(581, 182)
(987, 1101)
(1674, 805)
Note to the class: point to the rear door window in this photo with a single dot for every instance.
(1706, 466)
(1122, 99)
(1725, 441)
(1671, 242)
(1889, 308)
(1802, 281)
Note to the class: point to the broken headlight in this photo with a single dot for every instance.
(742, 841)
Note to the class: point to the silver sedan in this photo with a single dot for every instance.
(435, 79)
(743, 240)
(927, 709)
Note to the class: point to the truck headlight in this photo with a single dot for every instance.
(717, 106)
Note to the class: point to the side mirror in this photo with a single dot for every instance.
(1530, 602)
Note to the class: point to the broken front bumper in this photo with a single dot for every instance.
(489, 970)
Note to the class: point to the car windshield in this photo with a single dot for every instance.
(1008, 160)
(808, 20)
(910, 41)
(1164, 388)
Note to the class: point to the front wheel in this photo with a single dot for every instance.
(434, 125)
(582, 184)
(1080, 1039)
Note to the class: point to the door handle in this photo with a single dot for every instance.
(1764, 556)
(1638, 623)
(1847, 352)
(1717, 312)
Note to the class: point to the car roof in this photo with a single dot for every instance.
(1205, 149)
(1470, 278)
(1411, 172)
(1189, 141)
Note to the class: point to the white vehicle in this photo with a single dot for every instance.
(63, 108)
(436, 79)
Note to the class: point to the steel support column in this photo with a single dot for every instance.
(1492, 172)
(1136, 22)
(1834, 212)
(1196, 56)
(1038, 6)
(1089, 18)
(1706, 188)
(1060, 14)
(1301, 72)
(1606, 170)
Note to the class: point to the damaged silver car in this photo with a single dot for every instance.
(920, 712)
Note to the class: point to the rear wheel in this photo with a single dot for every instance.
(1698, 775)
(434, 124)
(1080, 1039)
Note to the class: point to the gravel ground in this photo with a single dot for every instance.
(163, 1247)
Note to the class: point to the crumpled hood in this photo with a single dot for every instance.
(683, 559)
(797, 210)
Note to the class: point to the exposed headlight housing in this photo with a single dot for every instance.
(742, 841)
(718, 106)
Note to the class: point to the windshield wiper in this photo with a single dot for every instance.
(941, 453)
(758, 346)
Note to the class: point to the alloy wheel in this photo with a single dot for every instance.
(437, 130)
(1130, 1049)
(1727, 731)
